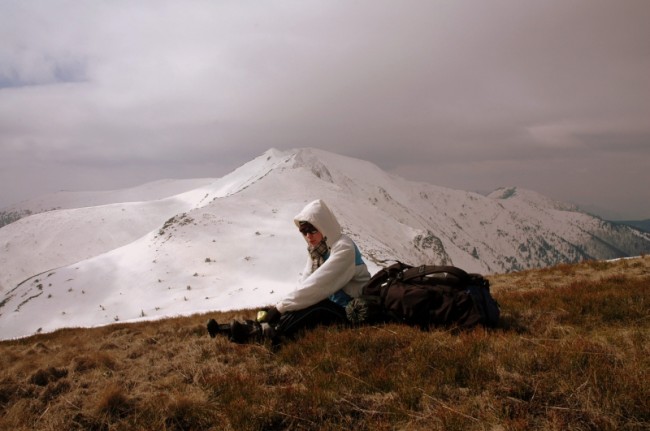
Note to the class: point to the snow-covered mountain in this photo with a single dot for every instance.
(180, 247)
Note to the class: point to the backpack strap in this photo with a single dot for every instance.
(383, 277)
(393, 273)
(441, 272)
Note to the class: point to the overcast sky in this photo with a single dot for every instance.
(552, 95)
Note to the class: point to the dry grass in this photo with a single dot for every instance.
(572, 353)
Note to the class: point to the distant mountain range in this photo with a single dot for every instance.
(643, 225)
(185, 246)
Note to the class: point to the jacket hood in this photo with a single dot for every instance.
(320, 216)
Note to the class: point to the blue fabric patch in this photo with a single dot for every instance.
(358, 260)
(340, 298)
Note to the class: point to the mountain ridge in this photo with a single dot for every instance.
(230, 242)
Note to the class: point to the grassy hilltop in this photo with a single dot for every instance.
(572, 353)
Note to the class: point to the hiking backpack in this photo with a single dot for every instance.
(426, 296)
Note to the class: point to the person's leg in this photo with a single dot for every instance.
(291, 323)
(323, 313)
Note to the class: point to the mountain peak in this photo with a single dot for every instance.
(503, 193)
(532, 198)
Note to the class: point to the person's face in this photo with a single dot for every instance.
(314, 238)
(312, 235)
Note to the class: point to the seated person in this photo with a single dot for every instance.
(335, 273)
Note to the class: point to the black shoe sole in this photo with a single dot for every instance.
(213, 328)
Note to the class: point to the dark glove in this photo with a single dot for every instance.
(270, 315)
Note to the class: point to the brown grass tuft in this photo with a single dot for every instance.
(51, 374)
(189, 411)
(114, 402)
(92, 361)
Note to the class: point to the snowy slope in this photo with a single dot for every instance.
(53, 239)
(230, 243)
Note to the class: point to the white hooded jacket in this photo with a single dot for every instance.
(342, 270)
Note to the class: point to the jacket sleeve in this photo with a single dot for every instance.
(305, 272)
(332, 275)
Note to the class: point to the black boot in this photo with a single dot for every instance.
(214, 328)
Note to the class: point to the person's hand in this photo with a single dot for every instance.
(270, 315)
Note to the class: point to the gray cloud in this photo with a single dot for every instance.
(553, 96)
